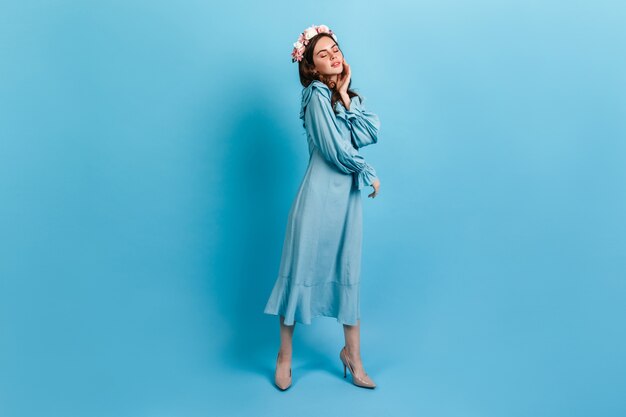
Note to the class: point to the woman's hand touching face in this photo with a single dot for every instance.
(344, 79)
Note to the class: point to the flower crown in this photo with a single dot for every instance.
(303, 40)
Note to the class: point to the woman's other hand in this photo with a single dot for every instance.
(376, 185)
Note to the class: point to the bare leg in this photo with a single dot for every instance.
(353, 348)
(286, 347)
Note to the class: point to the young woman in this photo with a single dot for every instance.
(320, 266)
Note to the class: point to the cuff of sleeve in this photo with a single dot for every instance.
(365, 177)
(356, 108)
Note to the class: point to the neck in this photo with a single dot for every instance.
(330, 78)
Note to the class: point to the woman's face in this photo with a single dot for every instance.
(327, 57)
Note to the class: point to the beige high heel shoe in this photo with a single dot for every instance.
(281, 382)
(360, 382)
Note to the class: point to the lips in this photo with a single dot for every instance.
(336, 64)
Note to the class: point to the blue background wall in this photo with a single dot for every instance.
(149, 154)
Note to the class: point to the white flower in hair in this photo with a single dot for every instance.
(310, 32)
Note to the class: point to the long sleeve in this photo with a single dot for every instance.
(324, 131)
(363, 124)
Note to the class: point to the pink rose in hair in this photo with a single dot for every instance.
(323, 29)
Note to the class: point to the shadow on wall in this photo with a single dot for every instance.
(261, 167)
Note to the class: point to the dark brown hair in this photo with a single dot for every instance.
(308, 73)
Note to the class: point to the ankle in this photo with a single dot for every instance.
(353, 354)
(284, 355)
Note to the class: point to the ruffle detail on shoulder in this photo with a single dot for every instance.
(307, 93)
(367, 122)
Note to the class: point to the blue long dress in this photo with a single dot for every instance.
(320, 266)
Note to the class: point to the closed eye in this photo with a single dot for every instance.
(324, 56)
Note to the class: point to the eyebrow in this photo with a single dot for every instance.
(325, 49)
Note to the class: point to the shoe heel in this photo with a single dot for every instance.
(355, 380)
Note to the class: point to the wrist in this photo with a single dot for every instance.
(345, 98)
